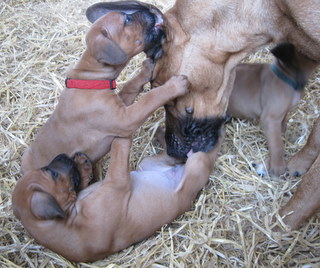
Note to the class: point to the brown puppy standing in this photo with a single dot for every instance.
(268, 92)
(111, 214)
(306, 200)
(87, 118)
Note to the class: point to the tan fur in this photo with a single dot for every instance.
(301, 162)
(88, 120)
(259, 94)
(305, 202)
(207, 39)
(114, 213)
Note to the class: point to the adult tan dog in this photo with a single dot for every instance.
(89, 114)
(305, 202)
(206, 40)
(268, 92)
(111, 214)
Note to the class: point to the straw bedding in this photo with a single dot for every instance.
(229, 225)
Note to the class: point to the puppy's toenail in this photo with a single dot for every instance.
(296, 174)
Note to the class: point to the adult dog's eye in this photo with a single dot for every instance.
(54, 174)
(105, 32)
(127, 19)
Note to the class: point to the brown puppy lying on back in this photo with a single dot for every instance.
(305, 202)
(111, 214)
(89, 114)
(268, 92)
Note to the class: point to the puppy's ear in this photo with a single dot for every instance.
(45, 207)
(284, 52)
(98, 10)
(110, 53)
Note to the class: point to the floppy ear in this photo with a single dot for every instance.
(45, 207)
(284, 52)
(109, 53)
(98, 10)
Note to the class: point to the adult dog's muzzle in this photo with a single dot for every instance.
(189, 135)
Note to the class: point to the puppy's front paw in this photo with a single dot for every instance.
(260, 169)
(147, 70)
(181, 84)
(84, 166)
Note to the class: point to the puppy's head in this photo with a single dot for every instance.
(293, 63)
(123, 29)
(49, 191)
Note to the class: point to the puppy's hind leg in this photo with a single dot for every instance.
(198, 168)
(159, 161)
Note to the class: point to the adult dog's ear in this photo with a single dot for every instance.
(45, 207)
(98, 10)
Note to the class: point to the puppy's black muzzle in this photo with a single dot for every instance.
(154, 35)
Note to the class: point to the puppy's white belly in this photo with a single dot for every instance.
(165, 177)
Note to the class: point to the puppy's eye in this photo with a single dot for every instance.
(54, 174)
(127, 19)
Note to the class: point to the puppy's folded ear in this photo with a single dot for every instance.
(284, 52)
(45, 207)
(108, 52)
(98, 10)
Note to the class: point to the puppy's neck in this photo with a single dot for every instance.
(297, 74)
(90, 69)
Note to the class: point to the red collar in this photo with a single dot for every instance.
(91, 84)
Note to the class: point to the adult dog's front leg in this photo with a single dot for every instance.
(301, 162)
(306, 200)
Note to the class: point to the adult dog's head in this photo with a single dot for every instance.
(193, 121)
(205, 41)
(123, 29)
